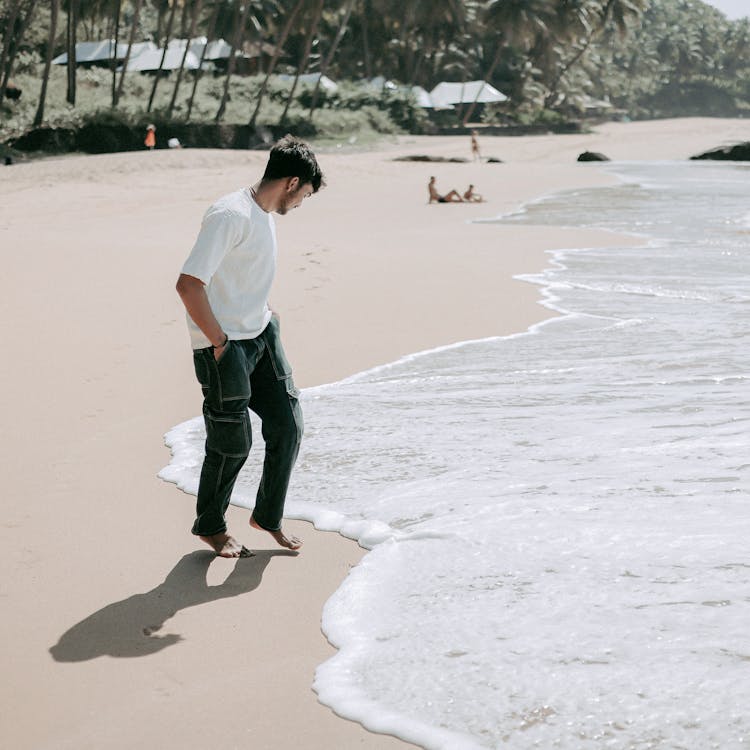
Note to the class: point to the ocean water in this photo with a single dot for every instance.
(558, 520)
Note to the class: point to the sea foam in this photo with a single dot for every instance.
(557, 520)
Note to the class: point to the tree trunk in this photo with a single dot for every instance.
(193, 24)
(199, 73)
(237, 40)
(7, 42)
(329, 57)
(54, 12)
(305, 57)
(131, 40)
(276, 53)
(71, 42)
(488, 78)
(170, 23)
(16, 37)
(118, 9)
(366, 39)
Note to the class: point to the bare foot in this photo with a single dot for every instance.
(224, 545)
(279, 536)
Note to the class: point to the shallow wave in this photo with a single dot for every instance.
(556, 519)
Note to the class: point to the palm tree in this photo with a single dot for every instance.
(54, 12)
(197, 7)
(199, 73)
(10, 28)
(167, 34)
(18, 24)
(275, 57)
(237, 40)
(602, 13)
(131, 40)
(331, 52)
(118, 8)
(318, 11)
(512, 24)
(72, 28)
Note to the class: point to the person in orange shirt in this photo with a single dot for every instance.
(150, 140)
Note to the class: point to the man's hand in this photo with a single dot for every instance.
(219, 350)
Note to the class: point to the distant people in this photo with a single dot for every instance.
(475, 146)
(150, 139)
(435, 197)
(174, 143)
(471, 197)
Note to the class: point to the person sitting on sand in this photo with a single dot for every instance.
(435, 197)
(471, 197)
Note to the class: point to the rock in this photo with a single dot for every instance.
(738, 152)
(425, 157)
(494, 160)
(592, 156)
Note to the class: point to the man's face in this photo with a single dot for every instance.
(294, 196)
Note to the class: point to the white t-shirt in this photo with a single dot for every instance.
(235, 257)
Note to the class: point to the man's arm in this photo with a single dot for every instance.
(192, 292)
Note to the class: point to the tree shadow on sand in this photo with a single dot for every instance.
(131, 627)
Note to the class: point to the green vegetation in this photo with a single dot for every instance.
(555, 60)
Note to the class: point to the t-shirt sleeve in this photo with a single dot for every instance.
(218, 234)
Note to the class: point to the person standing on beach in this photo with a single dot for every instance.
(237, 353)
(475, 146)
(150, 140)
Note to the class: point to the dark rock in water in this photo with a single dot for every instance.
(738, 152)
(494, 160)
(425, 157)
(592, 156)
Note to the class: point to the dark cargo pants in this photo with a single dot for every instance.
(251, 373)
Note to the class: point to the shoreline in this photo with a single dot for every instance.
(101, 565)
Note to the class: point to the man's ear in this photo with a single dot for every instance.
(292, 184)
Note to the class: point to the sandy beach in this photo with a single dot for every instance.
(120, 631)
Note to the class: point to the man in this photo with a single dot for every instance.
(435, 197)
(237, 352)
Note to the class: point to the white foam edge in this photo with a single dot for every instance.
(334, 691)
(330, 681)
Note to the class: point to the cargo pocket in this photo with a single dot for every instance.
(228, 433)
(292, 393)
(281, 367)
(202, 372)
(233, 378)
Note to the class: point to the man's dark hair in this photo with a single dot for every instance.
(291, 157)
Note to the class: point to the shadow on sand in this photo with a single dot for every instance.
(131, 627)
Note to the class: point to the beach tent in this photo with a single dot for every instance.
(310, 79)
(425, 101)
(449, 93)
(217, 50)
(150, 60)
(101, 52)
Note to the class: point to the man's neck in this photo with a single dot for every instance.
(265, 196)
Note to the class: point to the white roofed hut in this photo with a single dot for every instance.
(470, 93)
(103, 52)
(163, 60)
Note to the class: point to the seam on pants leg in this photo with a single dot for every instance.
(219, 475)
